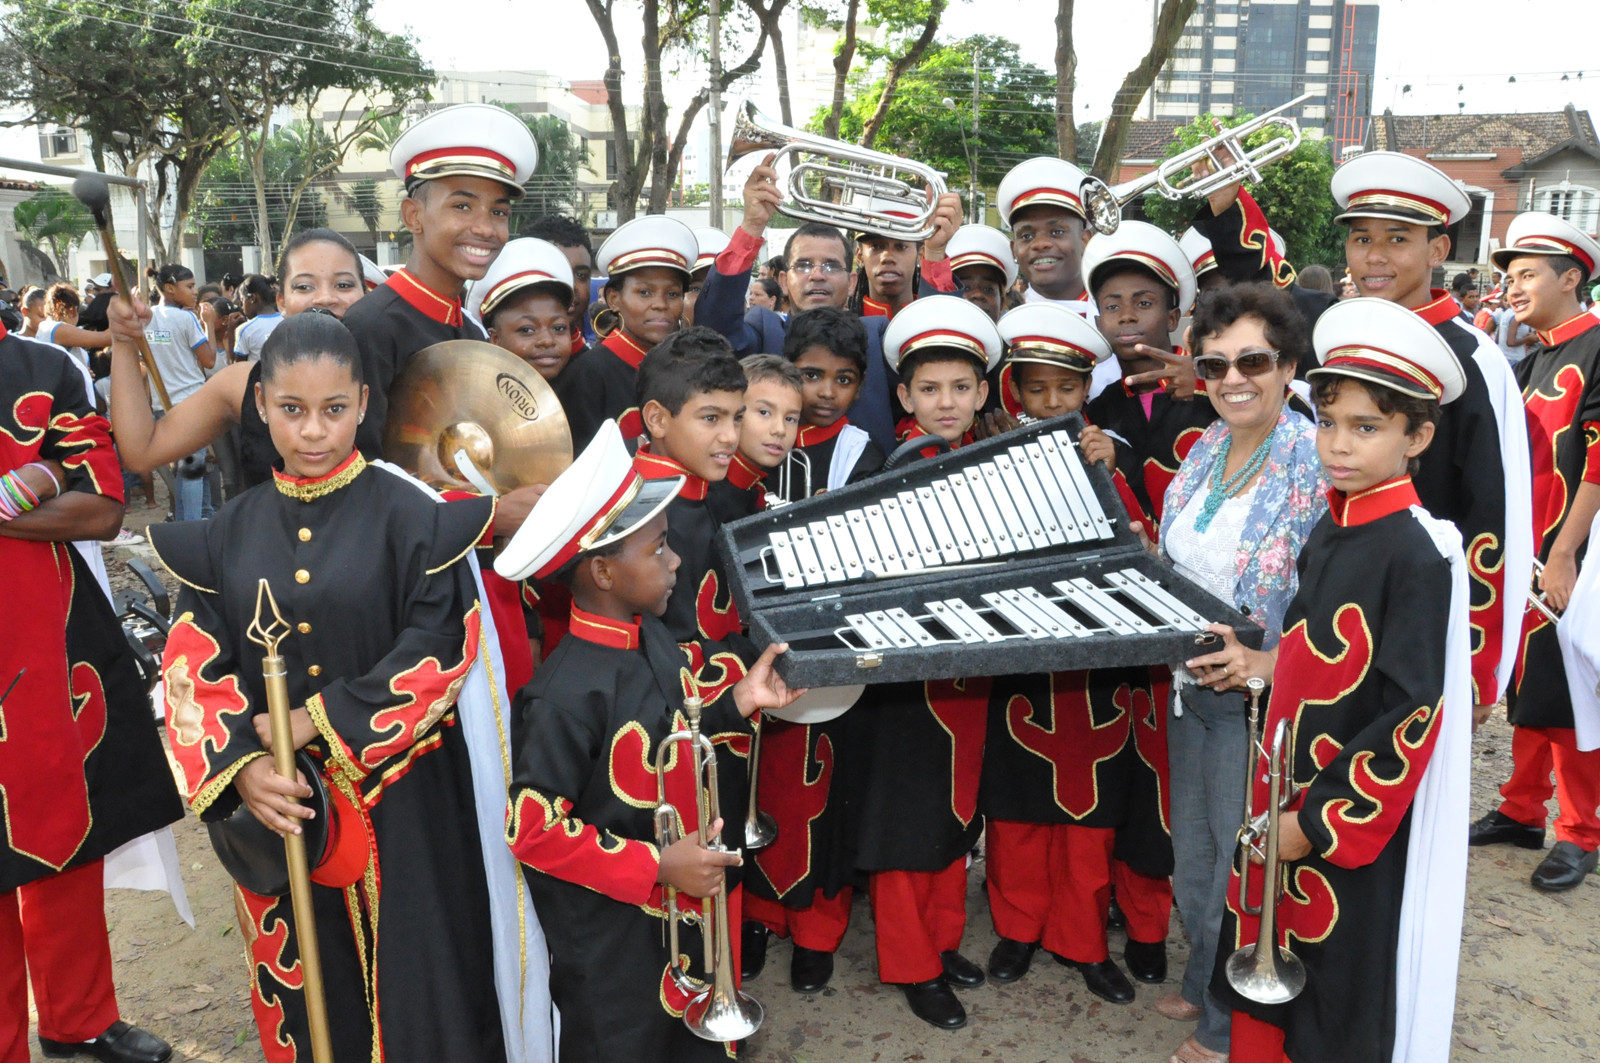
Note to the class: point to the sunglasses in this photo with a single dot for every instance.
(1250, 363)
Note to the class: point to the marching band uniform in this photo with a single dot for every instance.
(584, 788)
(982, 247)
(1245, 248)
(604, 377)
(81, 771)
(742, 492)
(1373, 678)
(1561, 385)
(846, 452)
(1059, 761)
(419, 983)
(1476, 473)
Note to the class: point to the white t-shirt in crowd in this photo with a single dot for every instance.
(173, 335)
(247, 342)
(47, 334)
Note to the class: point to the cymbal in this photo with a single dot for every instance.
(473, 398)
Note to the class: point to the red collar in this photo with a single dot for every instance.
(810, 434)
(310, 488)
(603, 631)
(1442, 309)
(745, 474)
(1569, 329)
(578, 342)
(623, 347)
(909, 429)
(659, 467)
(3, 332)
(872, 308)
(441, 308)
(1374, 503)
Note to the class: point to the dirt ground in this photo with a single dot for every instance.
(1529, 982)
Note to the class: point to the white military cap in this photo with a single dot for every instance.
(1148, 246)
(1384, 343)
(1202, 258)
(712, 242)
(942, 321)
(1053, 335)
(523, 263)
(982, 245)
(1389, 184)
(653, 240)
(1042, 180)
(372, 274)
(469, 139)
(596, 500)
(1535, 233)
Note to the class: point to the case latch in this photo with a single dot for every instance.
(868, 660)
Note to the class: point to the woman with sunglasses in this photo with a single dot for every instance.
(1236, 515)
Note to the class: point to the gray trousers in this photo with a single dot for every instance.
(1206, 754)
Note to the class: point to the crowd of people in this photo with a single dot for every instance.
(479, 685)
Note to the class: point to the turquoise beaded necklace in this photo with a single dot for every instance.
(1224, 489)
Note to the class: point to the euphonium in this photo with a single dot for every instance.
(718, 1010)
(1264, 972)
(1175, 178)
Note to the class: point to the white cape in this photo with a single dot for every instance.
(1579, 634)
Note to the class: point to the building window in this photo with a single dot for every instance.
(1573, 203)
(57, 142)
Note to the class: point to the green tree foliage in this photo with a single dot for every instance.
(553, 187)
(366, 202)
(52, 218)
(226, 211)
(1293, 193)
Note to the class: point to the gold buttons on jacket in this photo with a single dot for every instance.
(305, 535)
(303, 627)
(302, 576)
(315, 669)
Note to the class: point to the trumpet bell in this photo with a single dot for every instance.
(1268, 980)
(717, 1016)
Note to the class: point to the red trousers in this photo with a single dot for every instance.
(53, 931)
(1051, 884)
(819, 927)
(1535, 753)
(917, 915)
(1254, 1041)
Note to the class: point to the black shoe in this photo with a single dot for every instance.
(960, 971)
(753, 954)
(809, 970)
(935, 1003)
(1146, 960)
(1115, 920)
(1010, 960)
(1497, 828)
(120, 1043)
(1564, 867)
(1104, 979)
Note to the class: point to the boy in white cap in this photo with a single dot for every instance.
(1041, 202)
(1397, 209)
(522, 303)
(1547, 262)
(918, 807)
(646, 263)
(1372, 689)
(462, 167)
(584, 787)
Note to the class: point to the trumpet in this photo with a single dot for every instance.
(1175, 178)
(899, 194)
(718, 1010)
(1536, 597)
(1265, 972)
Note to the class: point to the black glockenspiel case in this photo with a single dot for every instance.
(1006, 556)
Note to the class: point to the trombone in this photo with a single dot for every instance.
(1536, 597)
(718, 1010)
(1264, 971)
(1176, 178)
(824, 174)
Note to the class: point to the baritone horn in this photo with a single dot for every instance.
(718, 1010)
(1176, 178)
(826, 175)
(1265, 972)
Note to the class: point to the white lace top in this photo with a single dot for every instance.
(1207, 559)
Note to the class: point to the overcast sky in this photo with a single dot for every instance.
(1430, 45)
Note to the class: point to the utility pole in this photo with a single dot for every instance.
(714, 120)
(974, 214)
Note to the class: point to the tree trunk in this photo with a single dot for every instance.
(751, 63)
(1066, 75)
(1169, 27)
(625, 187)
(841, 71)
(653, 142)
(770, 20)
(891, 80)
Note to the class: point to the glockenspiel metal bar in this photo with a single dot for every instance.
(1087, 604)
(994, 483)
(788, 564)
(1106, 598)
(950, 507)
(1053, 464)
(970, 617)
(1051, 491)
(906, 545)
(954, 623)
(989, 508)
(845, 543)
(806, 554)
(921, 533)
(1021, 602)
(1042, 530)
(827, 551)
(888, 551)
(943, 536)
(967, 501)
(1157, 599)
(1014, 616)
(890, 630)
(1080, 476)
(1048, 607)
(869, 633)
(910, 625)
(866, 545)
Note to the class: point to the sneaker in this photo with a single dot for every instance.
(126, 538)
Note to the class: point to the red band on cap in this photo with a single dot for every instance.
(1369, 357)
(602, 516)
(1547, 242)
(1378, 197)
(493, 158)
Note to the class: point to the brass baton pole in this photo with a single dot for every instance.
(268, 636)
